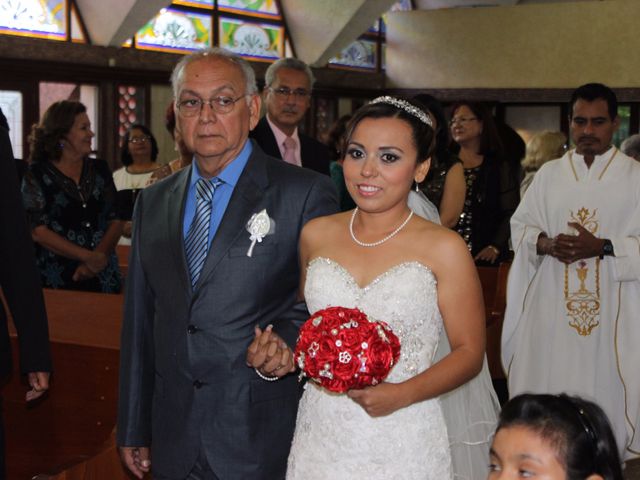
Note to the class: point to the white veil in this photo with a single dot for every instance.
(471, 410)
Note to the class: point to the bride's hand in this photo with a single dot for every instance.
(380, 400)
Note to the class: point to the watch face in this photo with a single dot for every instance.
(608, 248)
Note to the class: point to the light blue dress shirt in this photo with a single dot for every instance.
(222, 195)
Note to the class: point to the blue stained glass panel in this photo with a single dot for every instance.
(34, 18)
(359, 54)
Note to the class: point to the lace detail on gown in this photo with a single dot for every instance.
(335, 438)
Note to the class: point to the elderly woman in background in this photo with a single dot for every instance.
(70, 201)
(492, 185)
(138, 156)
(335, 142)
(631, 146)
(185, 156)
(445, 182)
(542, 147)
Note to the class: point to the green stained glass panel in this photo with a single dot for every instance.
(359, 54)
(267, 8)
(257, 41)
(175, 31)
(34, 18)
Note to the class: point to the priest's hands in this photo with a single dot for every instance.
(269, 354)
(571, 248)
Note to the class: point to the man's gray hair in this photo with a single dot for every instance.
(293, 64)
(631, 146)
(177, 77)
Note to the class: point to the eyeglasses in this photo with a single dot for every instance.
(461, 120)
(144, 139)
(191, 107)
(285, 92)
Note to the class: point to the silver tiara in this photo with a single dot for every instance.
(406, 106)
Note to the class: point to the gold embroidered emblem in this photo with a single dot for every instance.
(582, 283)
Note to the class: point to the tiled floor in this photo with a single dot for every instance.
(632, 471)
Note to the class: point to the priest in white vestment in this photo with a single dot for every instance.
(572, 322)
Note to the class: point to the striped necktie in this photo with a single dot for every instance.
(197, 240)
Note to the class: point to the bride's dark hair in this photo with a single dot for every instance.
(578, 430)
(422, 133)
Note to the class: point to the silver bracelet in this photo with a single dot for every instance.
(264, 377)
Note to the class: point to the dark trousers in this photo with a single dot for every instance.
(201, 471)
(3, 471)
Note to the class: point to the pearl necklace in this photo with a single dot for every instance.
(379, 242)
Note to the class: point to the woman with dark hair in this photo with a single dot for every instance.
(492, 185)
(374, 258)
(138, 155)
(335, 142)
(556, 437)
(184, 155)
(445, 183)
(70, 200)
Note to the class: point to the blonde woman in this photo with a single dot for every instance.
(542, 147)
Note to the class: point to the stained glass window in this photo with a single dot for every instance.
(359, 54)
(195, 3)
(264, 8)
(34, 18)
(175, 31)
(77, 33)
(11, 105)
(130, 107)
(258, 41)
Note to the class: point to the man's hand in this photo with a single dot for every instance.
(39, 383)
(488, 254)
(270, 354)
(570, 248)
(83, 272)
(96, 261)
(136, 459)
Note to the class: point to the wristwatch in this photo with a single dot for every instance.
(607, 248)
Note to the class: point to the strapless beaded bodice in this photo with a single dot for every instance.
(335, 438)
(404, 296)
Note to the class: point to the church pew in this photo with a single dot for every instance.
(74, 422)
(122, 252)
(494, 291)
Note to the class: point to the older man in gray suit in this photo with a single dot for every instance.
(214, 256)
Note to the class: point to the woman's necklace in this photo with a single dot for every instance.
(379, 242)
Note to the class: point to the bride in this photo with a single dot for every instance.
(413, 274)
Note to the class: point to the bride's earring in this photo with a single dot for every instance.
(417, 186)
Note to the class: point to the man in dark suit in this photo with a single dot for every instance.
(287, 95)
(214, 255)
(20, 282)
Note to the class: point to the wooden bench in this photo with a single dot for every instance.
(494, 291)
(75, 421)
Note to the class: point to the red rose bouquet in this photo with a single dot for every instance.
(340, 349)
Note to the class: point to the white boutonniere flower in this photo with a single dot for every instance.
(259, 226)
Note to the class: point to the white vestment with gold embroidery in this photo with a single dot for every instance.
(576, 328)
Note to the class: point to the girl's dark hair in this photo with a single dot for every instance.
(125, 155)
(46, 137)
(423, 135)
(578, 430)
(490, 143)
(434, 107)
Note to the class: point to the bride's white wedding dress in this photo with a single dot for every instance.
(335, 438)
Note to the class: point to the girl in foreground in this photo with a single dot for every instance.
(554, 437)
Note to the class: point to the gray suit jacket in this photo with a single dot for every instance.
(184, 386)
